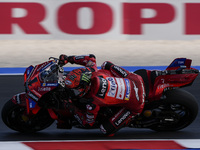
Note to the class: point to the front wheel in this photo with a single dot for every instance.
(14, 116)
(179, 110)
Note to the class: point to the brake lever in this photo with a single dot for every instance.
(54, 58)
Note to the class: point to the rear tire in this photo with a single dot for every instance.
(185, 108)
(14, 116)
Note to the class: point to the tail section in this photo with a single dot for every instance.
(179, 62)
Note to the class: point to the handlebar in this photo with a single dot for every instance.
(60, 67)
(55, 67)
(54, 58)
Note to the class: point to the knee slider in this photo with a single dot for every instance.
(107, 128)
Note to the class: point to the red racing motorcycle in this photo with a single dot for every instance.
(167, 106)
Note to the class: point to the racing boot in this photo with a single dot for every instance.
(115, 123)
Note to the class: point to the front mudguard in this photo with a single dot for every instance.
(19, 99)
(14, 116)
(22, 100)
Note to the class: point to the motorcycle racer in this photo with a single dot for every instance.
(111, 92)
(110, 85)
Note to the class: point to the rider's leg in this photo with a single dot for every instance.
(115, 123)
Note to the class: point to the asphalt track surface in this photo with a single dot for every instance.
(13, 84)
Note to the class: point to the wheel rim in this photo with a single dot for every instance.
(19, 121)
(174, 117)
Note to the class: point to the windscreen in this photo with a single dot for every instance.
(49, 75)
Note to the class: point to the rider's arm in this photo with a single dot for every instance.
(84, 60)
(115, 70)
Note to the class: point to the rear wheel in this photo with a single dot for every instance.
(14, 116)
(177, 112)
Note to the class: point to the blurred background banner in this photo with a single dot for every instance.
(100, 19)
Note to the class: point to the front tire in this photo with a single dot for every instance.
(183, 107)
(14, 116)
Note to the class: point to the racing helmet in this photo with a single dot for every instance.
(78, 82)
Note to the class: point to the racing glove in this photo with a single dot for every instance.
(71, 59)
(63, 59)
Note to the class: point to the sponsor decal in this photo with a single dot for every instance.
(102, 88)
(46, 66)
(181, 62)
(49, 84)
(122, 118)
(116, 115)
(67, 82)
(90, 118)
(113, 87)
(80, 57)
(128, 89)
(36, 93)
(31, 103)
(18, 99)
(44, 89)
(120, 70)
(34, 97)
(162, 86)
(86, 77)
(177, 62)
(136, 91)
(121, 88)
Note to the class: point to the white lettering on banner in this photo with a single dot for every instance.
(121, 88)
(85, 13)
(113, 87)
(87, 19)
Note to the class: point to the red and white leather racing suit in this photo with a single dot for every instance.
(111, 85)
